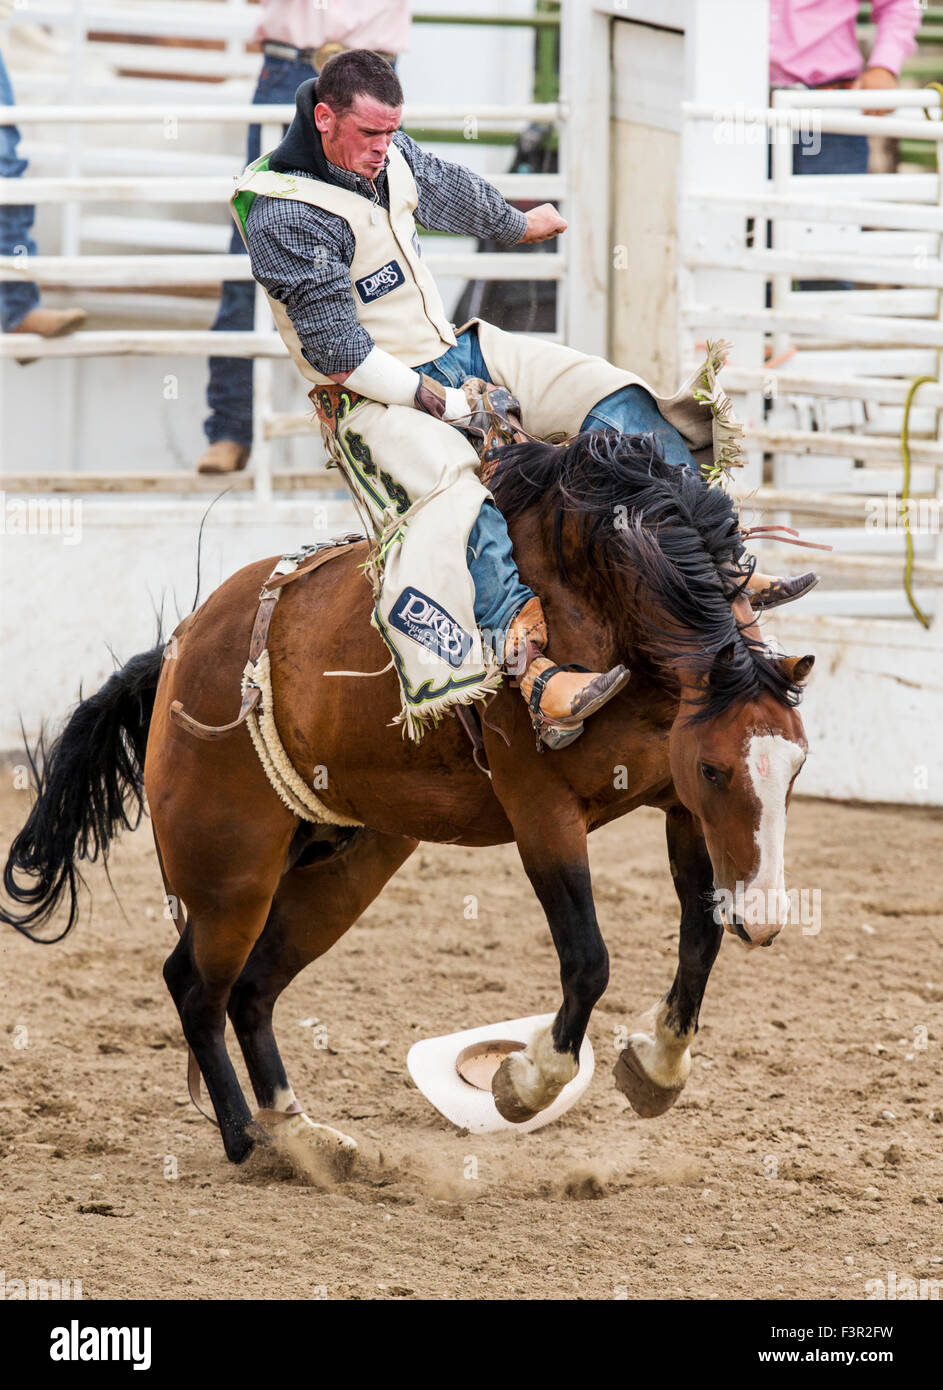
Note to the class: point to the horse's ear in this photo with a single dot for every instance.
(797, 668)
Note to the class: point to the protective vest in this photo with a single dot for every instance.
(395, 296)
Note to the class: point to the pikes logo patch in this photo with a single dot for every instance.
(426, 623)
(375, 286)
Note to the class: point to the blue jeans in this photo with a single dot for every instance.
(837, 154)
(17, 298)
(499, 592)
(229, 393)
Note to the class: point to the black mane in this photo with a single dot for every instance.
(650, 529)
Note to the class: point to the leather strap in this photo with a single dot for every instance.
(211, 731)
(790, 536)
(540, 684)
(314, 57)
(279, 581)
(472, 721)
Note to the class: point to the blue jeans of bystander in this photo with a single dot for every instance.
(229, 393)
(17, 297)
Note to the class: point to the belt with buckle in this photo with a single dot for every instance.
(314, 57)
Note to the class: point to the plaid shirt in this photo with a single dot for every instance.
(302, 254)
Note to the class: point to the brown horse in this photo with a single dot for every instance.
(636, 561)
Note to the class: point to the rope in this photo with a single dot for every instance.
(904, 505)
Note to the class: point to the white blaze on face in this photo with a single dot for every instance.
(772, 761)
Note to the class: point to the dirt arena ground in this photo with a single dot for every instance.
(804, 1159)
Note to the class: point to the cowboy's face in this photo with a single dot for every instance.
(359, 139)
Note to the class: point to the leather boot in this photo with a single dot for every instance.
(225, 456)
(48, 323)
(559, 698)
(767, 592)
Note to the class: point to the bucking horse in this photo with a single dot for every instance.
(636, 561)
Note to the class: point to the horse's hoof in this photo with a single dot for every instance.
(645, 1096)
(239, 1147)
(298, 1137)
(507, 1102)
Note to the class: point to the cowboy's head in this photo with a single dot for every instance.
(360, 102)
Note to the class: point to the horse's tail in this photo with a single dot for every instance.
(88, 785)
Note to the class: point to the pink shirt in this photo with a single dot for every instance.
(379, 24)
(813, 41)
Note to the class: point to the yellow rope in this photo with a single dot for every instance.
(904, 507)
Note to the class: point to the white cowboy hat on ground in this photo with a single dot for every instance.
(454, 1073)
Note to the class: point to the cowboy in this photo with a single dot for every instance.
(329, 219)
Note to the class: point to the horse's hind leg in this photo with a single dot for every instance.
(224, 920)
(653, 1068)
(200, 972)
(312, 908)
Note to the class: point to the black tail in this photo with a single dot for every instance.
(88, 786)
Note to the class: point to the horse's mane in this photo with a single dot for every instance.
(649, 530)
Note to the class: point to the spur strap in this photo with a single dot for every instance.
(540, 684)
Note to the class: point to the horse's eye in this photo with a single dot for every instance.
(711, 774)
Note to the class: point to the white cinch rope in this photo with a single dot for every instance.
(293, 790)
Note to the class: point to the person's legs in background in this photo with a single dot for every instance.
(833, 153)
(19, 299)
(229, 392)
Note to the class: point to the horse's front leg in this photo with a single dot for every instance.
(553, 851)
(653, 1068)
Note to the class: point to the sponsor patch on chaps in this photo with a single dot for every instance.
(380, 282)
(425, 622)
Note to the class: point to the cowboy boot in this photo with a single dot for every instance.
(51, 323)
(767, 592)
(225, 456)
(559, 698)
(48, 323)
